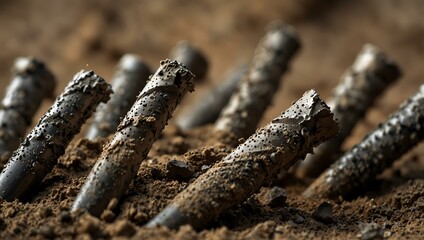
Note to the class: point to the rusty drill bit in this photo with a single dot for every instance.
(122, 156)
(370, 75)
(30, 84)
(377, 151)
(209, 107)
(39, 151)
(255, 92)
(288, 138)
(192, 58)
(129, 79)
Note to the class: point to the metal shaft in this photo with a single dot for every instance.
(130, 78)
(192, 58)
(122, 156)
(377, 151)
(256, 90)
(371, 74)
(208, 107)
(30, 84)
(281, 143)
(39, 151)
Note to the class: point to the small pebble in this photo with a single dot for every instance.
(65, 216)
(370, 231)
(298, 218)
(324, 213)
(178, 170)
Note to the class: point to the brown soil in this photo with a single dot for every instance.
(71, 36)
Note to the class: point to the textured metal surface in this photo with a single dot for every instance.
(122, 156)
(31, 83)
(39, 151)
(281, 143)
(130, 78)
(370, 75)
(256, 90)
(377, 151)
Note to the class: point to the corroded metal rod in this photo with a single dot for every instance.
(209, 106)
(39, 151)
(256, 90)
(122, 156)
(130, 78)
(377, 151)
(370, 75)
(192, 58)
(281, 143)
(30, 84)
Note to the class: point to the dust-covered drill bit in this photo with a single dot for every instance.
(288, 138)
(130, 78)
(209, 106)
(30, 84)
(256, 90)
(122, 156)
(377, 151)
(370, 75)
(192, 58)
(39, 151)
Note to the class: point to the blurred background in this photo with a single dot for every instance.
(73, 35)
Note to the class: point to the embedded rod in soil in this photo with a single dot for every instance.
(192, 58)
(39, 151)
(256, 90)
(288, 138)
(122, 156)
(209, 107)
(377, 151)
(31, 83)
(370, 75)
(129, 79)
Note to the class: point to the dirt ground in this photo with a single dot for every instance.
(70, 36)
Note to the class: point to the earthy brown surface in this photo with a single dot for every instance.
(70, 36)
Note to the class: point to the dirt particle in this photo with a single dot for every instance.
(371, 231)
(107, 215)
(178, 170)
(122, 228)
(275, 196)
(324, 213)
(47, 232)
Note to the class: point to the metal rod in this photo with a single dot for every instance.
(130, 78)
(377, 151)
(122, 156)
(31, 83)
(281, 143)
(370, 75)
(192, 58)
(39, 151)
(209, 106)
(256, 90)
